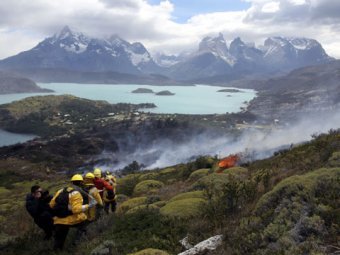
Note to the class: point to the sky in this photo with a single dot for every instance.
(169, 26)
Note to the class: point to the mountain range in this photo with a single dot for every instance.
(73, 51)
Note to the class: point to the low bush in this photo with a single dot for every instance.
(147, 187)
(196, 175)
(184, 208)
(131, 203)
(186, 195)
(150, 251)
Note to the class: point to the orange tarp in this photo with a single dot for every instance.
(229, 161)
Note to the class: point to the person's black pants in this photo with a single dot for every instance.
(61, 232)
(110, 205)
(45, 222)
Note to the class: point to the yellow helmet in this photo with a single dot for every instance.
(89, 176)
(77, 177)
(97, 172)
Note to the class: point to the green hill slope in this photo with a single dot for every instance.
(285, 204)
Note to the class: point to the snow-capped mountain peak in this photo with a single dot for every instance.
(64, 33)
(74, 50)
(68, 40)
(217, 46)
(213, 44)
(303, 43)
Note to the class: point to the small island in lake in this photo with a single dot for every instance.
(165, 93)
(142, 90)
(229, 90)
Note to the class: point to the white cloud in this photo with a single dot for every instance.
(271, 7)
(154, 25)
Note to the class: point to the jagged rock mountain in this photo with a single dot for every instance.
(76, 51)
(165, 60)
(211, 59)
(290, 53)
(214, 59)
(212, 62)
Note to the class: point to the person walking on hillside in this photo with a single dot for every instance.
(69, 210)
(93, 194)
(37, 206)
(110, 201)
(102, 185)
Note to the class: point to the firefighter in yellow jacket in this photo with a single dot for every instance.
(93, 194)
(109, 198)
(69, 210)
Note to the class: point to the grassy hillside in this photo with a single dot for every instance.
(55, 115)
(286, 204)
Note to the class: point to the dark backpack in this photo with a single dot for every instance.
(61, 207)
(85, 195)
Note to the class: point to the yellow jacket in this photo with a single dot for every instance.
(91, 212)
(105, 197)
(111, 178)
(75, 205)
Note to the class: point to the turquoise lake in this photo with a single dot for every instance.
(199, 99)
(7, 138)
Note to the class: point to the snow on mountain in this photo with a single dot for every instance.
(218, 47)
(70, 41)
(303, 43)
(164, 60)
(213, 57)
(74, 50)
(290, 53)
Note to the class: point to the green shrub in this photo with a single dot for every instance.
(147, 187)
(126, 184)
(170, 173)
(216, 180)
(334, 160)
(4, 191)
(145, 229)
(184, 209)
(295, 215)
(194, 176)
(120, 198)
(148, 207)
(303, 186)
(160, 203)
(149, 176)
(186, 195)
(150, 251)
(237, 171)
(131, 203)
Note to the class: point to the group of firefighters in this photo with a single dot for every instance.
(76, 205)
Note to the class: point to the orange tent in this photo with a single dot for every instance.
(229, 161)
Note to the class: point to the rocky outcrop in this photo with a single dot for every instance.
(203, 247)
